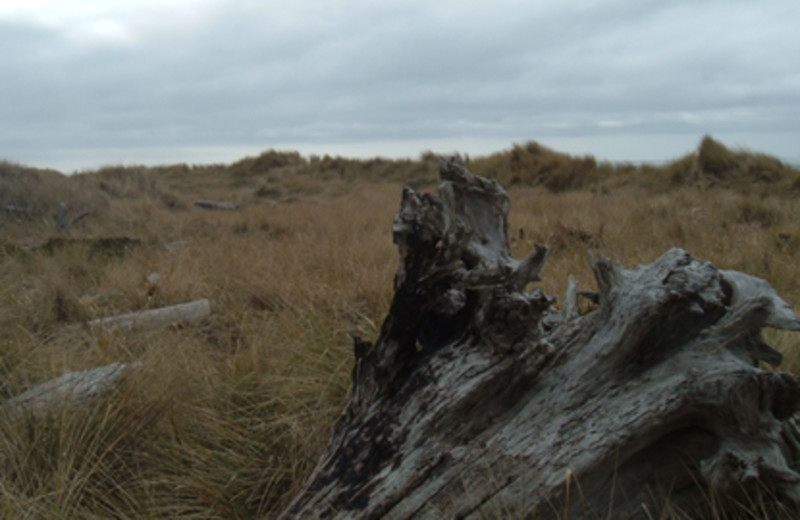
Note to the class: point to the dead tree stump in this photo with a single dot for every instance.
(481, 399)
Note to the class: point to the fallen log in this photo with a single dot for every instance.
(70, 390)
(481, 399)
(154, 318)
(216, 205)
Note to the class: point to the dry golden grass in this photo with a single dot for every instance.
(224, 418)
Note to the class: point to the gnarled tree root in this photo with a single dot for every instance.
(481, 399)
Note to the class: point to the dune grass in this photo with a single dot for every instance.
(225, 418)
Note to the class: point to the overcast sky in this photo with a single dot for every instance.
(91, 83)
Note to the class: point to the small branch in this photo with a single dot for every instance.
(77, 219)
(570, 307)
(61, 219)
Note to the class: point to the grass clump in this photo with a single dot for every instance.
(534, 164)
(714, 165)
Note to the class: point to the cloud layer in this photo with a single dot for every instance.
(117, 81)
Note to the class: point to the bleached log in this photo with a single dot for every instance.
(154, 318)
(71, 389)
(216, 205)
(482, 400)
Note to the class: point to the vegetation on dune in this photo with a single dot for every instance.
(225, 417)
(534, 165)
(715, 165)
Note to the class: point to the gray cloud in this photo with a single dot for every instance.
(257, 74)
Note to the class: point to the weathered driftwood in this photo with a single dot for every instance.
(70, 390)
(153, 318)
(482, 400)
(218, 205)
(17, 211)
(64, 223)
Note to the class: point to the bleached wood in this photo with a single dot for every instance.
(216, 205)
(481, 400)
(154, 318)
(71, 389)
(63, 223)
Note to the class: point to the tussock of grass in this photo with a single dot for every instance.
(534, 164)
(225, 418)
(715, 165)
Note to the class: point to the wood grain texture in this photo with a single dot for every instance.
(483, 399)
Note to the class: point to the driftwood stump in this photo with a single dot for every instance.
(481, 399)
